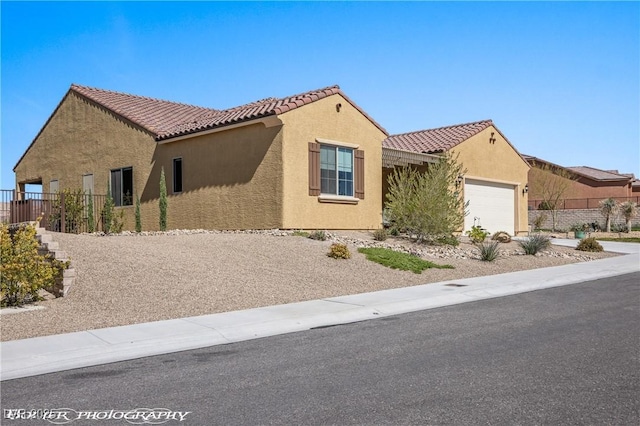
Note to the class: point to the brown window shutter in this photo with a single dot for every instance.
(359, 172)
(314, 169)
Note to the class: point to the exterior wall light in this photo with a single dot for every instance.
(459, 180)
(526, 189)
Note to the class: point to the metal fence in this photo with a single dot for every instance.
(65, 211)
(578, 203)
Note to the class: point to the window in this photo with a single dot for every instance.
(177, 175)
(87, 184)
(122, 186)
(336, 170)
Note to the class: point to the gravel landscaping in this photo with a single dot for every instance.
(133, 278)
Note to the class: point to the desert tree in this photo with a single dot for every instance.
(629, 210)
(550, 183)
(608, 208)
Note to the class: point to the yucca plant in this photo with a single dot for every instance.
(535, 243)
(488, 251)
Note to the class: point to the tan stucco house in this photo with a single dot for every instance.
(310, 161)
(495, 178)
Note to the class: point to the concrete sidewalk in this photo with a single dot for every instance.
(40, 355)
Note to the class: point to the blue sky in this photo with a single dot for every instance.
(561, 79)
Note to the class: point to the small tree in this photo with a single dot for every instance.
(608, 208)
(107, 211)
(629, 210)
(427, 204)
(550, 184)
(163, 201)
(138, 218)
(91, 222)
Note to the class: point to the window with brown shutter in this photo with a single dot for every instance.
(314, 169)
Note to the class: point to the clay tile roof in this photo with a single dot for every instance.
(250, 111)
(598, 174)
(433, 141)
(155, 115)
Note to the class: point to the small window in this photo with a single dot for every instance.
(336, 170)
(177, 175)
(122, 186)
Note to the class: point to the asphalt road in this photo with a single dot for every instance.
(569, 355)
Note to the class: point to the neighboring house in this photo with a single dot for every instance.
(495, 173)
(309, 161)
(583, 183)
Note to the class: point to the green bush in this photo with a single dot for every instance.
(397, 260)
(488, 251)
(23, 272)
(138, 216)
(477, 234)
(449, 240)
(589, 244)
(163, 202)
(73, 208)
(300, 233)
(318, 235)
(535, 243)
(427, 205)
(501, 237)
(107, 211)
(380, 234)
(339, 251)
(539, 220)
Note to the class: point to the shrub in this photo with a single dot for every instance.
(449, 240)
(394, 231)
(73, 208)
(477, 234)
(138, 217)
(163, 201)
(619, 227)
(488, 251)
(589, 244)
(300, 233)
(23, 272)
(91, 221)
(534, 243)
(427, 205)
(397, 260)
(380, 234)
(339, 251)
(539, 220)
(501, 237)
(318, 235)
(107, 211)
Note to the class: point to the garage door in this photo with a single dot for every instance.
(491, 205)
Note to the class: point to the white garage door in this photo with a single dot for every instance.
(491, 205)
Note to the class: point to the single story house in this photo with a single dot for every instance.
(584, 185)
(311, 160)
(495, 178)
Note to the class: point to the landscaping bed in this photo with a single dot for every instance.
(133, 278)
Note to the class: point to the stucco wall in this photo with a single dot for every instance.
(231, 179)
(321, 119)
(496, 161)
(82, 138)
